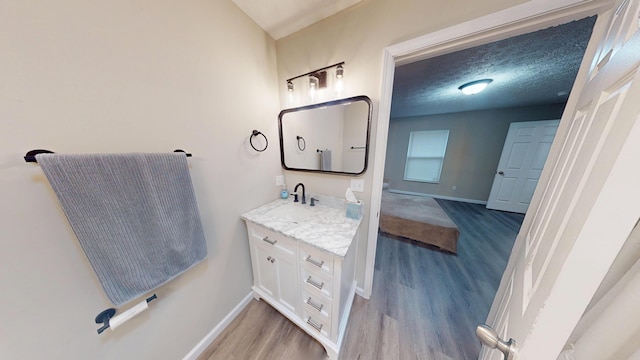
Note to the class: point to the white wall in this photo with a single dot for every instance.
(358, 36)
(128, 76)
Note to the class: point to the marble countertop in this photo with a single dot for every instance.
(326, 228)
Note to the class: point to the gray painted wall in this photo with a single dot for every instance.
(475, 143)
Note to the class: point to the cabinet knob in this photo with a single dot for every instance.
(273, 260)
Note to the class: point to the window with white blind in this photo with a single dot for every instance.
(425, 155)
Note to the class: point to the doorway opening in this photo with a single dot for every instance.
(466, 291)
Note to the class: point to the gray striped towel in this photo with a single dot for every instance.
(135, 216)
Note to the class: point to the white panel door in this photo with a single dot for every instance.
(265, 271)
(523, 156)
(587, 201)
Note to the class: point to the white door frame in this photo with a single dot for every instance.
(530, 16)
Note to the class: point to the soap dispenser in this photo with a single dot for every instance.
(284, 194)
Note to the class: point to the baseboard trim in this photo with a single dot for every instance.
(217, 330)
(472, 201)
(360, 292)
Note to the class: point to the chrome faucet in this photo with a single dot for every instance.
(295, 189)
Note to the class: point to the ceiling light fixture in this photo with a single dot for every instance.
(474, 87)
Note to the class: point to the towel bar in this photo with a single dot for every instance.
(31, 155)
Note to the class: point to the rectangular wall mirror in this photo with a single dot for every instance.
(330, 137)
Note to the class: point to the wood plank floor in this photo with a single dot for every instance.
(425, 303)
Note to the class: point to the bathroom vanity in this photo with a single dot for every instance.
(303, 260)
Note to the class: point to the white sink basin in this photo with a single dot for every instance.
(290, 212)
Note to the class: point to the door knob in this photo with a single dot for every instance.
(500, 172)
(489, 337)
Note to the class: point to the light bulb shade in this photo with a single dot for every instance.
(313, 86)
(339, 72)
(313, 81)
(474, 87)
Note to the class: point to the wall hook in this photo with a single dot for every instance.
(255, 133)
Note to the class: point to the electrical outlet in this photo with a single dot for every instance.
(357, 185)
(454, 188)
(279, 180)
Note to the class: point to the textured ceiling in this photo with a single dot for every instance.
(530, 69)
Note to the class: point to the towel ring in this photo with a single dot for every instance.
(304, 143)
(256, 133)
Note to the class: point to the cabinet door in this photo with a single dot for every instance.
(287, 276)
(265, 271)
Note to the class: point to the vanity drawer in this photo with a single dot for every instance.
(273, 240)
(314, 259)
(317, 305)
(315, 283)
(316, 324)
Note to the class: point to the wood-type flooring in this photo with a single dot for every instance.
(425, 303)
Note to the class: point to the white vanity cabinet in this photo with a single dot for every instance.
(311, 286)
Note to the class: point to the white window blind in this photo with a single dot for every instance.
(425, 155)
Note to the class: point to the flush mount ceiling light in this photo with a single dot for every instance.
(474, 87)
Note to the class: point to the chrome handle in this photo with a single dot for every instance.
(314, 262)
(272, 242)
(311, 282)
(314, 305)
(489, 337)
(500, 172)
(314, 324)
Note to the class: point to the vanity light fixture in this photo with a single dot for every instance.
(318, 80)
(474, 87)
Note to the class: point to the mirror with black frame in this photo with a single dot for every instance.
(330, 137)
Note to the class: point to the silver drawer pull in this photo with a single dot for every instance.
(314, 324)
(314, 262)
(314, 305)
(310, 281)
(272, 242)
